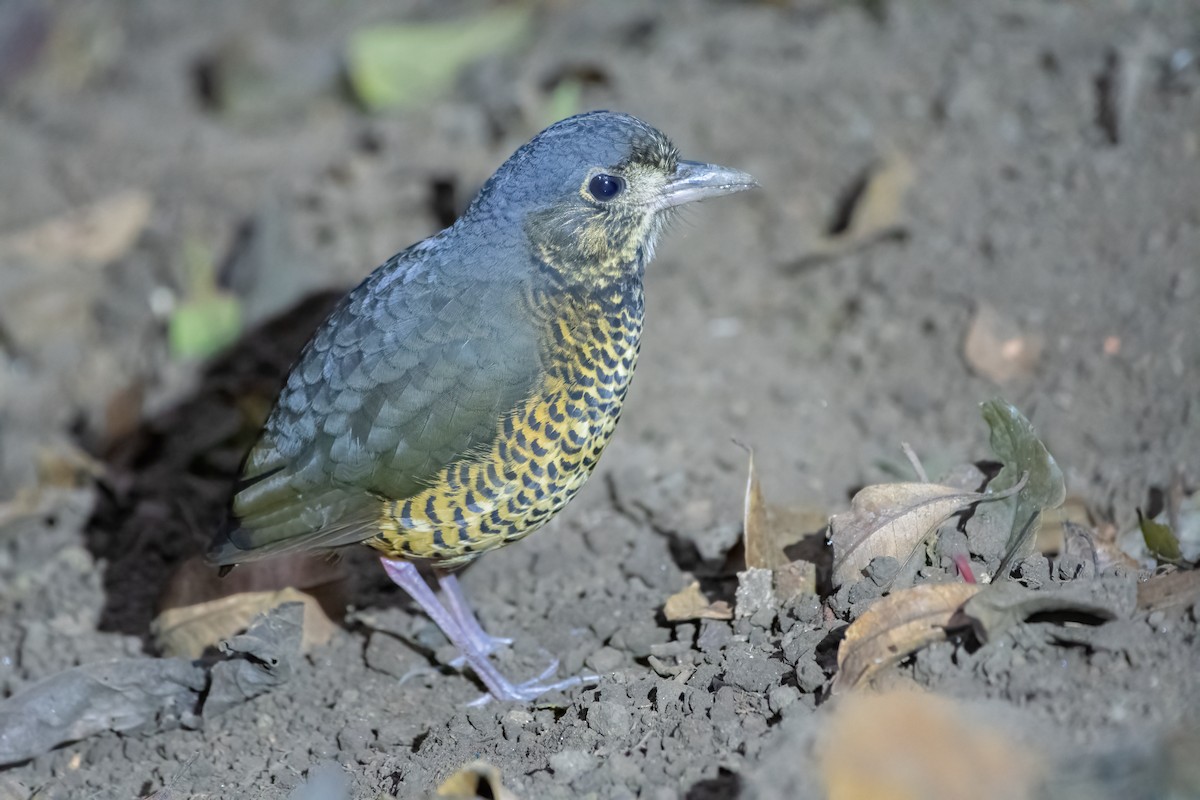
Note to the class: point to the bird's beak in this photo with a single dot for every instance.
(694, 180)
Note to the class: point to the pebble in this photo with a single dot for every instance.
(882, 570)
(520, 717)
(755, 599)
(805, 610)
(637, 638)
(567, 764)
(605, 660)
(781, 697)
(354, 738)
(609, 719)
(809, 676)
(752, 670)
(387, 654)
(714, 634)
(400, 732)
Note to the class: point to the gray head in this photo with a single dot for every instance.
(594, 190)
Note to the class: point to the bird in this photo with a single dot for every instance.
(460, 396)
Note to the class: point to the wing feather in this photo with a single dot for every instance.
(409, 373)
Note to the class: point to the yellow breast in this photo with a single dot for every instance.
(544, 450)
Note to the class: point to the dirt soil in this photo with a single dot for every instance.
(1051, 157)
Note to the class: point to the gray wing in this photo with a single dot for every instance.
(415, 368)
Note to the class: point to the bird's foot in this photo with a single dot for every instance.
(484, 644)
(464, 632)
(530, 690)
(414, 673)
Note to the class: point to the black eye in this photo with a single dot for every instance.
(605, 187)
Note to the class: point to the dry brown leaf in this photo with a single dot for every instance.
(65, 466)
(767, 532)
(890, 519)
(875, 211)
(897, 626)
(915, 746)
(795, 579)
(201, 609)
(995, 347)
(475, 780)
(763, 548)
(690, 603)
(1169, 590)
(879, 208)
(1106, 538)
(190, 630)
(96, 234)
(1052, 537)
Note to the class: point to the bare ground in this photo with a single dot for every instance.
(1054, 151)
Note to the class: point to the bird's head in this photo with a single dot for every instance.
(593, 192)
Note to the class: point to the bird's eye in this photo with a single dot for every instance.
(605, 187)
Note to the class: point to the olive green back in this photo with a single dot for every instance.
(411, 371)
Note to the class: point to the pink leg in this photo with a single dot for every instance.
(456, 604)
(405, 576)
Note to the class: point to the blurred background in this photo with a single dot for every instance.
(960, 200)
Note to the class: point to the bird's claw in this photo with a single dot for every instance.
(416, 672)
(533, 688)
(487, 645)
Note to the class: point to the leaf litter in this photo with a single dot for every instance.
(691, 604)
(897, 626)
(893, 519)
(400, 66)
(767, 532)
(1015, 443)
(1160, 540)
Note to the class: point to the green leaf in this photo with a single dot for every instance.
(204, 326)
(401, 66)
(565, 101)
(1160, 540)
(1015, 443)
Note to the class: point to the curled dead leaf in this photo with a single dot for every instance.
(1055, 531)
(891, 519)
(201, 609)
(762, 541)
(870, 210)
(190, 630)
(690, 603)
(897, 626)
(768, 530)
(475, 780)
(876, 208)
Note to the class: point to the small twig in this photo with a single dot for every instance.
(911, 455)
